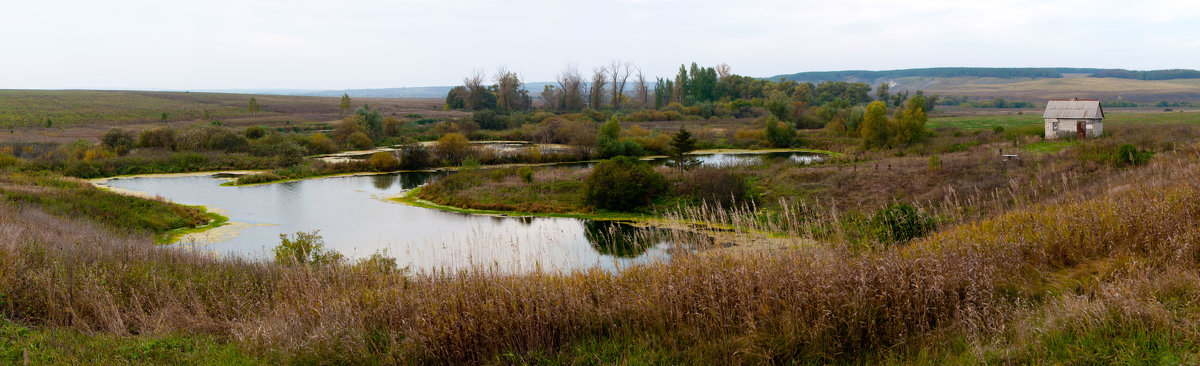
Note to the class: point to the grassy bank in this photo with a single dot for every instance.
(72, 197)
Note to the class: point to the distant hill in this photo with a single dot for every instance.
(1015, 83)
(987, 72)
(534, 88)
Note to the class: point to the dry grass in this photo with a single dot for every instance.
(977, 282)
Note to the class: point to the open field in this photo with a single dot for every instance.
(1138, 91)
(87, 114)
(1028, 286)
(1068, 255)
(1010, 119)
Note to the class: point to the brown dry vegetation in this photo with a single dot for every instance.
(85, 114)
(1091, 278)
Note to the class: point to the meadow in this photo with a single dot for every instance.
(87, 114)
(928, 251)
(1029, 118)
(1104, 273)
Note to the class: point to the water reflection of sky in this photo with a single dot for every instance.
(356, 220)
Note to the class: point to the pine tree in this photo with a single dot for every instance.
(681, 144)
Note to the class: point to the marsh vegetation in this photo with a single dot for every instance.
(911, 241)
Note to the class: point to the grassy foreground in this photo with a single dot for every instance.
(1110, 277)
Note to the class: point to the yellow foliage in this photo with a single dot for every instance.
(96, 153)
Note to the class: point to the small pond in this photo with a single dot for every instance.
(355, 217)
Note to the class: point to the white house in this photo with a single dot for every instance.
(1078, 118)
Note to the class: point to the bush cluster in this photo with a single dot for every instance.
(623, 184)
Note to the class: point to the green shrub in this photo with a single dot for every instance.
(258, 178)
(210, 138)
(901, 222)
(526, 174)
(383, 161)
(163, 137)
(7, 160)
(1127, 154)
(321, 144)
(623, 183)
(118, 140)
(304, 248)
(414, 156)
(779, 134)
(255, 132)
(360, 141)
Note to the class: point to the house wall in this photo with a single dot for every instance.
(1069, 127)
(1051, 129)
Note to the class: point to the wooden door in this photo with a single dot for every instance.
(1081, 129)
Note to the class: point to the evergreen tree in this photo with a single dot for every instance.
(681, 144)
(253, 106)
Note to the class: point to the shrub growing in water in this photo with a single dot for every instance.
(304, 248)
(414, 156)
(623, 183)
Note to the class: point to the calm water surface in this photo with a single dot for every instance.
(355, 217)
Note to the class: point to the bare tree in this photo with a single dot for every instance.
(642, 91)
(596, 94)
(570, 89)
(475, 89)
(618, 72)
(723, 71)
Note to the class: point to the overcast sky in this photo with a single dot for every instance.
(221, 44)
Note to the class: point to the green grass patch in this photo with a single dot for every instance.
(412, 198)
(21, 345)
(77, 198)
(1108, 344)
(1017, 120)
(985, 122)
(215, 220)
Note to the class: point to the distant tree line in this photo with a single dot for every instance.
(1148, 75)
(995, 72)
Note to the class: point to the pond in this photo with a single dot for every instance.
(738, 159)
(357, 218)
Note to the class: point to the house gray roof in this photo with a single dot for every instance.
(1073, 108)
